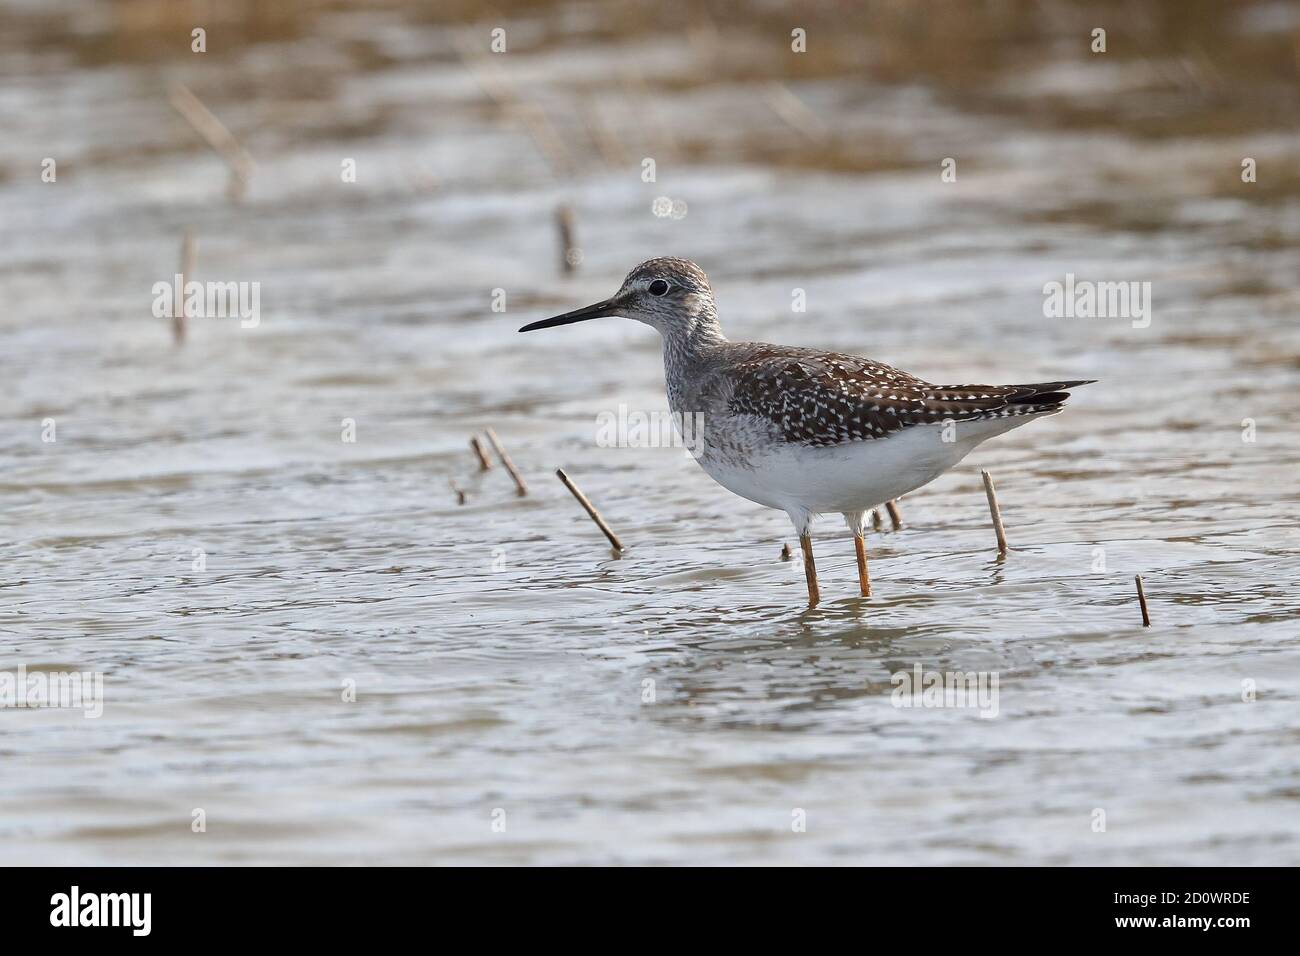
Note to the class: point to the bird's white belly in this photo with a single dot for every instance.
(852, 477)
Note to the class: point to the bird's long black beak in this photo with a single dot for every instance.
(598, 311)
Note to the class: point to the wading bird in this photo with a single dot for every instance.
(806, 431)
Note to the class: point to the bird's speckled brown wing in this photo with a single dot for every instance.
(828, 398)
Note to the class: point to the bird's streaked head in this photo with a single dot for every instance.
(671, 295)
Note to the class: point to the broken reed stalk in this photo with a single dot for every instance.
(610, 146)
(590, 509)
(187, 269)
(895, 516)
(486, 71)
(646, 107)
(568, 244)
(1142, 601)
(995, 511)
(217, 136)
(460, 495)
(544, 135)
(484, 462)
(704, 38)
(520, 488)
(795, 112)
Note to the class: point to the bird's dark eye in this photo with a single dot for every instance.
(658, 287)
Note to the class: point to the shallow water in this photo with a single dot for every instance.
(500, 654)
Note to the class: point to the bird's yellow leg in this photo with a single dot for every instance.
(810, 570)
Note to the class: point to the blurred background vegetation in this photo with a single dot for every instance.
(1172, 67)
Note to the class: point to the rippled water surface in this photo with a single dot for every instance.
(501, 656)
